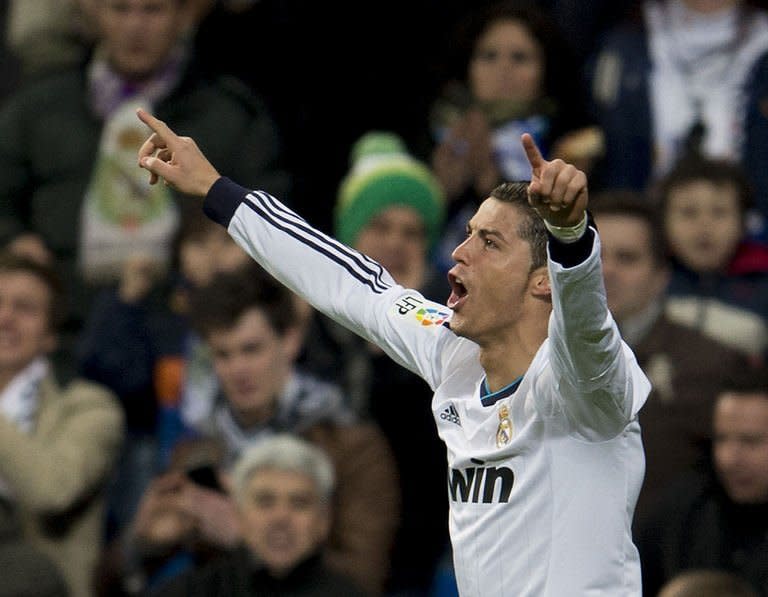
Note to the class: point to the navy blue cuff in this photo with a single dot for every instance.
(571, 254)
(223, 198)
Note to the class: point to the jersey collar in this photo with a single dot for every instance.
(489, 398)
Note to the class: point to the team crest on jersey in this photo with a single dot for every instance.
(422, 312)
(504, 431)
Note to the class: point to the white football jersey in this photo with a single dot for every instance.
(543, 475)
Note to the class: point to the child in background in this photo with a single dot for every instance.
(719, 280)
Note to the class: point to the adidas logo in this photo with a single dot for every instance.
(451, 415)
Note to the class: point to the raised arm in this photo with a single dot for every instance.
(337, 280)
(598, 380)
(558, 190)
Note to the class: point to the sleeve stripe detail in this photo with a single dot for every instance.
(298, 229)
(355, 258)
(278, 207)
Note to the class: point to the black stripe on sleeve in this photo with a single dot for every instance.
(365, 264)
(361, 259)
(319, 243)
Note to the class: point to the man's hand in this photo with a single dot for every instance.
(216, 519)
(177, 160)
(161, 523)
(558, 191)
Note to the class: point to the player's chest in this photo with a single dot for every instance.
(480, 427)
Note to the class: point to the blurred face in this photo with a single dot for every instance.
(25, 332)
(283, 518)
(492, 275)
(252, 362)
(741, 446)
(703, 224)
(633, 279)
(139, 34)
(216, 252)
(507, 64)
(396, 238)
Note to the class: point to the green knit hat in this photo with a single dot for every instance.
(384, 174)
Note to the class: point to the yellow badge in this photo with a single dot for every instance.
(504, 432)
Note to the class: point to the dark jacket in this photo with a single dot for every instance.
(238, 574)
(120, 347)
(698, 526)
(704, 300)
(687, 370)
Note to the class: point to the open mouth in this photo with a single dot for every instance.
(458, 291)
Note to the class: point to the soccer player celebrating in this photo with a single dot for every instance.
(535, 394)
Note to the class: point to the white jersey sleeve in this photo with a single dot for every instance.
(597, 381)
(337, 280)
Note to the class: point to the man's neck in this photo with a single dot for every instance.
(635, 328)
(505, 361)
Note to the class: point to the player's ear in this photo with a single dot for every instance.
(538, 283)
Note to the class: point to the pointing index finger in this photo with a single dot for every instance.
(535, 159)
(163, 135)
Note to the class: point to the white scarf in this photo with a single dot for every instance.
(19, 401)
(705, 59)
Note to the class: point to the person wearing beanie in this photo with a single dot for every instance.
(391, 208)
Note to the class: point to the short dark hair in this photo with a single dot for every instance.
(698, 168)
(532, 228)
(558, 62)
(57, 309)
(221, 303)
(632, 204)
(749, 379)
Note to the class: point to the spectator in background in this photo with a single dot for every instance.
(686, 368)
(513, 76)
(248, 320)
(718, 520)
(137, 341)
(719, 281)
(684, 76)
(390, 208)
(390, 203)
(57, 444)
(283, 491)
(68, 184)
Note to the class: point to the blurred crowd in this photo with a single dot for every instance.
(175, 422)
